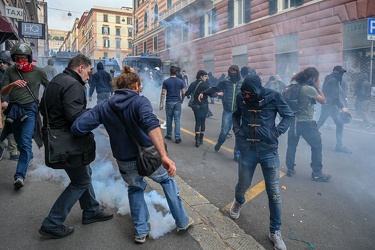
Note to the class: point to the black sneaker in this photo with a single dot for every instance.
(56, 233)
(1, 153)
(178, 141)
(100, 216)
(217, 147)
(290, 172)
(168, 137)
(320, 176)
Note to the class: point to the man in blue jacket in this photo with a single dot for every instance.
(102, 82)
(127, 106)
(256, 139)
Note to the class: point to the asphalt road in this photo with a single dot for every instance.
(330, 215)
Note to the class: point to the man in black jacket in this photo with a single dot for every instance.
(102, 82)
(331, 90)
(65, 100)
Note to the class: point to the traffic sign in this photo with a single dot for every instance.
(371, 29)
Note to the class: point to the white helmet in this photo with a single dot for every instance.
(157, 68)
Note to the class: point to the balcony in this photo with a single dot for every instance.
(184, 8)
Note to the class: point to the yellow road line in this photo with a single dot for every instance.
(252, 192)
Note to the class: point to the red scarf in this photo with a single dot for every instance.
(24, 65)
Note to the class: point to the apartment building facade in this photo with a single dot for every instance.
(271, 36)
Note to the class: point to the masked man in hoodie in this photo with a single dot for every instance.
(256, 139)
(230, 87)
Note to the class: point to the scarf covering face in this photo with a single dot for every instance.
(24, 65)
(253, 85)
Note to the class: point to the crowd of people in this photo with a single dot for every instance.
(250, 110)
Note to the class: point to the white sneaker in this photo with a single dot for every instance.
(278, 243)
(235, 209)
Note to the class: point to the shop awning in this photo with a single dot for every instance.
(7, 31)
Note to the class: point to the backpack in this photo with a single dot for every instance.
(291, 94)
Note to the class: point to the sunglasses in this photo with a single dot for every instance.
(1, 62)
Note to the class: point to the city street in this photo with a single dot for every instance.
(333, 215)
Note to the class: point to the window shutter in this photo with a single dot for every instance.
(247, 11)
(230, 13)
(272, 7)
(214, 25)
(102, 30)
(201, 26)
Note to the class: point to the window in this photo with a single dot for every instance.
(105, 31)
(129, 20)
(106, 43)
(136, 50)
(210, 20)
(118, 43)
(130, 32)
(105, 18)
(168, 39)
(238, 12)
(185, 32)
(118, 55)
(130, 45)
(118, 31)
(145, 46)
(156, 14)
(276, 5)
(169, 4)
(136, 26)
(118, 19)
(155, 43)
(105, 55)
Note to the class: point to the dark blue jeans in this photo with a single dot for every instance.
(309, 131)
(79, 189)
(226, 125)
(23, 132)
(269, 161)
(173, 112)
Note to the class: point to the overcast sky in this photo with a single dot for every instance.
(59, 19)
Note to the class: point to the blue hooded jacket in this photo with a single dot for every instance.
(136, 112)
(254, 118)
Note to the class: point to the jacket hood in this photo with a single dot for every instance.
(100, 66)
(235, 67)
(122, 98)
(253, 84)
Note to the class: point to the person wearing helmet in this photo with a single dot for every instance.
(331, 90)
(22, 82)
(50, 69)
